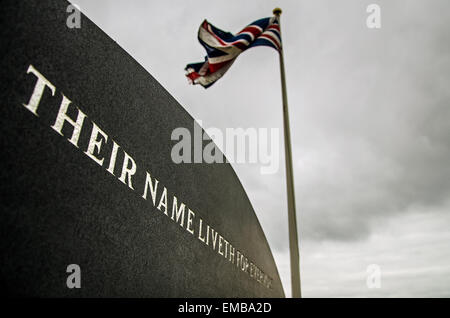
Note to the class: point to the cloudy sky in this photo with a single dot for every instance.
(370, 121)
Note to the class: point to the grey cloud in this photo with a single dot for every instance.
(370, 122)
(383, 120)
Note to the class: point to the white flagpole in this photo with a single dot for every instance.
(292, 218)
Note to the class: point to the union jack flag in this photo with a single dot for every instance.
(222, 48)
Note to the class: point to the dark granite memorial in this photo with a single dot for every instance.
(87, 176)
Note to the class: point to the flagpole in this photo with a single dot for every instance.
(292, 218)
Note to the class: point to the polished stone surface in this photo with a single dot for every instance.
(60, 207)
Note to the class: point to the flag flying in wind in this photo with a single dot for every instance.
(222, 48)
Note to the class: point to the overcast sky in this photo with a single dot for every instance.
(370, 125)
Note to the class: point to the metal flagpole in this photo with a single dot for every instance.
(292, 219)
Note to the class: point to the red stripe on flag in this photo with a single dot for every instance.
(271, 38)
(252, 29)
(193, 75)
(274, 26)
(217, 66)
(205, 25)
(240, 45)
